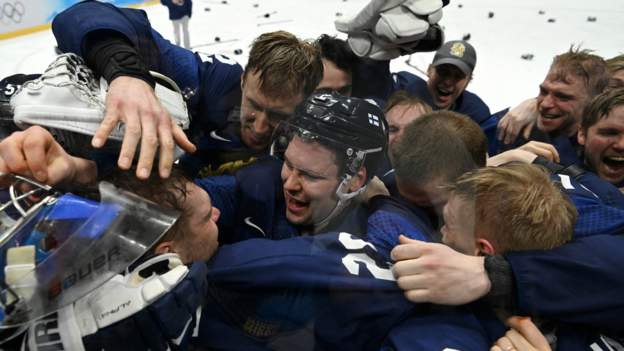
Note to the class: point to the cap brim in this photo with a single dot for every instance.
(455, 62)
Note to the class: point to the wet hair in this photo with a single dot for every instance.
(337, 51)
(287, 65)
(592, 69)
(600, 107)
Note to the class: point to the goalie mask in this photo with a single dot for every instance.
(352, 128)
(62, 247)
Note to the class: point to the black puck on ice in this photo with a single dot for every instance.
(338, 14)
(256, 5)
(490, 14)
(591, 19)
(460, 5)
(466, 37)
(217, 39)
(238, 52)
(527, 57)
(206, 9)
(267, 15)
(224, 2)
(541, 12)
(551, 20)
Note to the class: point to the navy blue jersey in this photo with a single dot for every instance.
(221, 152)
(252, 206)
(332, 291)
(567, 147)
(467, 103)
(595, 216)
(210, 83)
(580, 282)
(177, 11)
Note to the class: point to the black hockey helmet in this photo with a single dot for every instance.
(354, 128)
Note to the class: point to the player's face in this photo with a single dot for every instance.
(431, 195)
(446, 82)
(260, 113)
(458, 229)
(335, 79)
(604, 146)
(400, 116)
(310, 179)
(560, 104)
(200, 239)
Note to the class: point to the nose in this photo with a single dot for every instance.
(546, 101)
(261, 124)
(290, 180)
(619, 144)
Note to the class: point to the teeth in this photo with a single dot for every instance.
(615, 158)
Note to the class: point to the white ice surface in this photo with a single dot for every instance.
(501, 77)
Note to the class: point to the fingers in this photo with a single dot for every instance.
(165, 135)
(182, 140)
(526, 133)
(111, 118)
(504, 344)
(545, 150)
(36, 147)
(407, 250)
(528, 330)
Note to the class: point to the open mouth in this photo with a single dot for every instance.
(444, 92)
(295, 205)
(548, 116)
(614, 161)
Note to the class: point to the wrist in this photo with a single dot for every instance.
(85, 171)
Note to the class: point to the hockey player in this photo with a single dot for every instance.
(332, 287)
(533, 212)
(120, 45)
(573, 79)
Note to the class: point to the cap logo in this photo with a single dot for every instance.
(458, 49)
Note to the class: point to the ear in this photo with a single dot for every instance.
(580, 136)
(164, 247)
(484, 246)
(358, 180)
(242, 80)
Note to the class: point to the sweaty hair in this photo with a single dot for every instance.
(592, 69)
(287, 66)
(402, 97)
(616, 63)
(337, 51)
(440, 145)
(168, 192)
(517, 207)
(601, 106)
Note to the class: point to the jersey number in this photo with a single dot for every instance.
(353, 260)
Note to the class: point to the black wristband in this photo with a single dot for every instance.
(549, 165)
(111, 56)
(501, 294)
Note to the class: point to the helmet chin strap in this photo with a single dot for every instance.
(344, 200)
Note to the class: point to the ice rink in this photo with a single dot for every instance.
(502, 31)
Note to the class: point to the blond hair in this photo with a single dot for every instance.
(287, 66)
(518, 206)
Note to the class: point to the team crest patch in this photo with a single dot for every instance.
(458, 50)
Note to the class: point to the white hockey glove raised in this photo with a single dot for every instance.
(384, 30)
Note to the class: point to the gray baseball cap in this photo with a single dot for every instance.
(457, 53)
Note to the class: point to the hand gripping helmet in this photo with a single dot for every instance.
(353, 128)
(63, 246)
